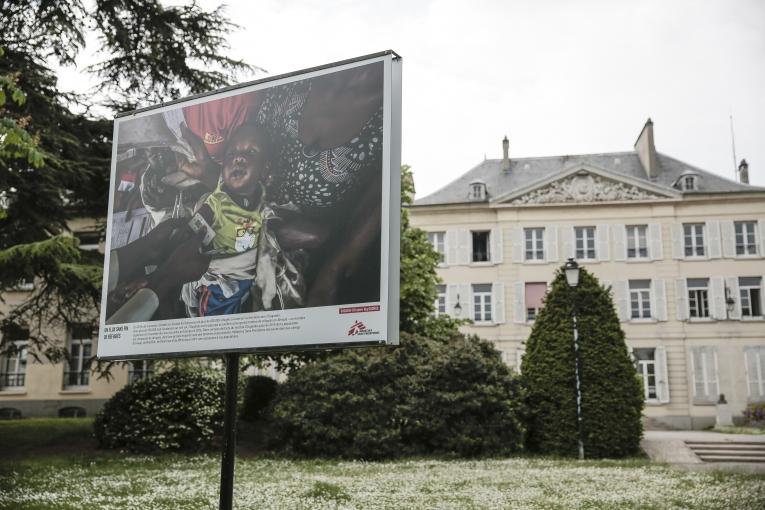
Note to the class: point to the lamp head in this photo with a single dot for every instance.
(572, 273)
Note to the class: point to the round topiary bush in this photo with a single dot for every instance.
(612, 396)
(424, 397)
(259, 391)
(175, 410)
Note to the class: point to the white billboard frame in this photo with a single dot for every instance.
(383, 323)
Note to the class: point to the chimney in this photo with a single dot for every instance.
(646, 150)
(743, 172)
(505, 150)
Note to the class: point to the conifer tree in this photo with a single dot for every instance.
(612, 397)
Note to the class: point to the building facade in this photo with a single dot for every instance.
(682, 250)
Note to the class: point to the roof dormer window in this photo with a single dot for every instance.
(688, 181)
(477, 190)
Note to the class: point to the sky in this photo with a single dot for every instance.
(556, 76)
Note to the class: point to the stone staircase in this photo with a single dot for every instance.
(728, 451)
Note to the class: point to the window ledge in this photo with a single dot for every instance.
(483, 264)
(758, 318)
(638, 260)
(647, 320)
(483, 324)
(7, 392)
(75, 391)
(655, 403)
(705, 403)
(756, 256)
(537, 262)
(701, 319)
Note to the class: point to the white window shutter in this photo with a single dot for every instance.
(602, 242)
(622, 300)
(655, 246)
(732, 285)
(662, 374)
(728, 239)
(754, 364)
(677, 241)
(714, 387)
(451, 247)
(713, 236)
(619, 234)
(498, 298)
(697, 374)
(464, 247)
(451, 300)
(567, 234)
(551, 243)
(466, 301)
(717, 297)
(519, 305)
(658, 300)
(518, 244)
(496, 245)
(761, 224)
(681, 298)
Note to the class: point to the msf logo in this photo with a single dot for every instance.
(357, 328)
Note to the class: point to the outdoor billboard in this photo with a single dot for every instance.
(263, 216)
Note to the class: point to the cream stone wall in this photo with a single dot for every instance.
(677, 336)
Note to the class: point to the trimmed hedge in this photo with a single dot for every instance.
(424, 397)
(175, 410)
(612, 396)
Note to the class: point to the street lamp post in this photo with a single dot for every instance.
(571, 270)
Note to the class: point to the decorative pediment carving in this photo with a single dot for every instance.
(584, 187)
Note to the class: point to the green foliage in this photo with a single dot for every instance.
(175, 410)
(418, 274)
(425, 397)
(612, 398)
(259, 391)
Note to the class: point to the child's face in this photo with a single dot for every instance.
(245, 162)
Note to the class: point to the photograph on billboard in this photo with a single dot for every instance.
(260, 217)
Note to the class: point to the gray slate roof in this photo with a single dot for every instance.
(525, 172)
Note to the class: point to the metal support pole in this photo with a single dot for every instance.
(578, 389)
(229, 433)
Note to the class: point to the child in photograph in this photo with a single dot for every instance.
(234, 211)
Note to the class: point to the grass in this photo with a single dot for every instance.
(93, 479)
(30, 436)
(740, 430)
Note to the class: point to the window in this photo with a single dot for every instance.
(698, 297)
(89, 239)
(72, 412)
(482, 302)
(585, 243)
(637, 244)
(746, 238)
(640, 299)
(440, 304)
(534, 242)
(704, 360)
(13, 366)
(534, 296)
(750, 289)
(693, 239)
(437, 240)
(689, 183)
(80, 346)
(754, 360)
(9, 413)
(477, 190)
(481, 246)
(140, 369)
(646, 367)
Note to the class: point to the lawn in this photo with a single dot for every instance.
(106, 480)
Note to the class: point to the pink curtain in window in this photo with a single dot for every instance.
(535, 292)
